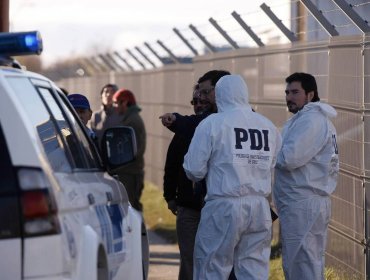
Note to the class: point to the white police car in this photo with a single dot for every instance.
(62, 216)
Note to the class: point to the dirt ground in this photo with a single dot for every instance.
(164, 259)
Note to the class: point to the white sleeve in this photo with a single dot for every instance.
(198, 155)
(305, 139)
(278, 142)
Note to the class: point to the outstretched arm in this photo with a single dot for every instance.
(183, 125)
(168, 119)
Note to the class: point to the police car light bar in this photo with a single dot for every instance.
(20, 43)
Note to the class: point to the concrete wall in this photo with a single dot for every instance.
(342, 69)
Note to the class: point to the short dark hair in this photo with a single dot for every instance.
(114, 86)
(308, 83)
(213, 76)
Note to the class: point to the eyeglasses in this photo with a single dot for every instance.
(206, 91)
(196, 101)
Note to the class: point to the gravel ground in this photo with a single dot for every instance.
(164, 259)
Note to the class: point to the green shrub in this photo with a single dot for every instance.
(156, 214)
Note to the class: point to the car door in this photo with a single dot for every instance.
(55, 139)
(110, 201)
(87, 195)
(10, 231)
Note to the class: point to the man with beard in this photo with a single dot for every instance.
(305, 177)
(184, 127)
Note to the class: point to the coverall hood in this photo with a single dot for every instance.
(231, 92)
(324, 108)
(306, 175)
(235, 149)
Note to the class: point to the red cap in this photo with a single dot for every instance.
(124, 94)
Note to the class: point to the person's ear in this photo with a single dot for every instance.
(310, 95)
(90, 114)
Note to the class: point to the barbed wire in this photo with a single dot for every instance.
(263, 27)
(360, 4)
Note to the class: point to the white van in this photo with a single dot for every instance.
(62, 216)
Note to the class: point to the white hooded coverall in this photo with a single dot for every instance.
(305, 176)
(235, 149)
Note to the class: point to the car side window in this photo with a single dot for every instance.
(67, 133)
(87, 146)
(44, 124)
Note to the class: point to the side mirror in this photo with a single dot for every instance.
(118, 146)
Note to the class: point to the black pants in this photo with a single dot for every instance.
(134, 185)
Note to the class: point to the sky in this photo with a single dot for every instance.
(71, 28)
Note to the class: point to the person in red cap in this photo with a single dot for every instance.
(132, 174)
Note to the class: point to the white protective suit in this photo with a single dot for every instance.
(235, 149)
(305, 176)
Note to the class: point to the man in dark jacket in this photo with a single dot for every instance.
(186, 125)
(182, 198)
(178, 192)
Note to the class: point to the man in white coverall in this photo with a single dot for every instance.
(235, 149)
(305, 176)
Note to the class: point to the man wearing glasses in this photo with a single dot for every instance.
(184, 128)
(178, 192)
(200, 103)
(185, 125)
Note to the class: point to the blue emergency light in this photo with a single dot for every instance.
(20, 43)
